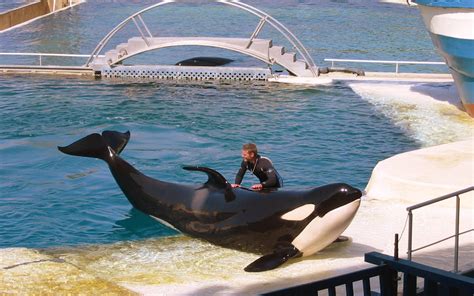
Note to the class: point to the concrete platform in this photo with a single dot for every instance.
(47, 70)
(420, 175)
(326, 79)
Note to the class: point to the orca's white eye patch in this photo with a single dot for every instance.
(299, 213)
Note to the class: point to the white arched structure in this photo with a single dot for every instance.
(262, 49)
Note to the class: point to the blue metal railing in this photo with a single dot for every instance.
(435, 281)
(346, 282)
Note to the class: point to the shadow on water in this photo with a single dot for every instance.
(137, 225)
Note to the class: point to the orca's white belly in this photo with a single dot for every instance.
(322, 231)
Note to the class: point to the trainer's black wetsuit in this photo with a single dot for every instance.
(263, 169)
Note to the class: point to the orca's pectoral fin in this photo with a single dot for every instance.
(273, 260)
(116, 140)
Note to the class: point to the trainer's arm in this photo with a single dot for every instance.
(240, 174)
(269, 170)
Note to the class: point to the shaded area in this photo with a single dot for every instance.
(137, 225)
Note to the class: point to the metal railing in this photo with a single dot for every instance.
(435, 281)
(40, 55)
(396, 63)
(456, 231)
(346, 282)
(265, 17)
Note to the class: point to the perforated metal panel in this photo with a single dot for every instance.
(190, 73)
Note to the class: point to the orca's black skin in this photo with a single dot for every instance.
(204, 61)
(233, 218)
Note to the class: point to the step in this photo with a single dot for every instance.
(260, 45)
(288, 58)
(276, 51)
(111, 56)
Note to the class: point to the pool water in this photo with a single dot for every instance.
(314, 135)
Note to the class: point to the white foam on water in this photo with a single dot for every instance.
(428, 112)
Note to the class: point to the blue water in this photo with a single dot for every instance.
(6, 5)
(314, 135)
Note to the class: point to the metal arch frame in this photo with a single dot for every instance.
(203, 43)
(264, 18)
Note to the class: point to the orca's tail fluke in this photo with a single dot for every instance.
(97, 146)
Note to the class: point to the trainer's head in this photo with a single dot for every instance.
(249, 151)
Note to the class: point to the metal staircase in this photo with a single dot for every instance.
(261, 49)
(298, 63)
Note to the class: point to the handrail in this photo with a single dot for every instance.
(278, 26)
(434, 278)
(105, 40)
(347, 280)
(45, 54)
(441, 198)
(40, 55)
(396, 63)
(456, 231)
(262, 15)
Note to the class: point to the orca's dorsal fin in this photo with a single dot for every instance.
(273, 260)
(215, 179)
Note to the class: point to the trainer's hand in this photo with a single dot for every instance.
(235, 185)
(257, 187)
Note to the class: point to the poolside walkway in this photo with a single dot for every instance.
(423, 174)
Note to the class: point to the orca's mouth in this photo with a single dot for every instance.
(355, 193)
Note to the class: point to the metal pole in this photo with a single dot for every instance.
(410, 233)
(41, 63)
(257, 30)
(396, 68)
(456, 237)
(144, 25)
(141, 32)
(395, 251)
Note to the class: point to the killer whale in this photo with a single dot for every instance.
(277, 224)
(204, 61)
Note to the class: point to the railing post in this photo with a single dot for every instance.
(40, 61)
(410, 233)
(395, 250)
(396, 68)
(388, 282)
(141, 32)
(257, 31)
(456, 237)
(145, 26)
